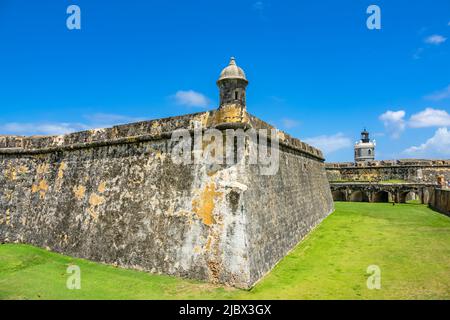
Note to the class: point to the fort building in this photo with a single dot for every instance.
(387, 180)
(402, 170)
(370, 180)
(115, 195)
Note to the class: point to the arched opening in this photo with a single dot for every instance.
(381, 196)
(425, 196)
(410, 197)
(359, 196)
(338, 195)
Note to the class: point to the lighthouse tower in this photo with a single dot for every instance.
(365, 148)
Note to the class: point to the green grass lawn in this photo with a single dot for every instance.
(394, 181)
(409, 242)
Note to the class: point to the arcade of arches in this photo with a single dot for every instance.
(401, 193)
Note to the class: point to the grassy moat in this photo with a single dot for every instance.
(409, 243)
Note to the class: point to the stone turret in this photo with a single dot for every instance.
(232, 84)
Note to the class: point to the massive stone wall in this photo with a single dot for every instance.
(441, 201)
(283, 208)
(425, 171)
(116, 196)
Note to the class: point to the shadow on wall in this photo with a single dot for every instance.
(381, 196)
(338, 196)
(359, 196)
(441, 201)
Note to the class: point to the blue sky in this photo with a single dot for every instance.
(315, 69)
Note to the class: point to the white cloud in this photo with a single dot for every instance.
(289, 123)
(110, 118)
(394, 122)
(439, 95)
(438, 145)
(435, 39)
(191, 98)
(258, 6)
(430, 118)
(330, 144)
(378, 134)
(97, 120)
(16, 128)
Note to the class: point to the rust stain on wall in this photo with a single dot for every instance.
(8, 217)
(41, 187)
(230, 113)
(23, 169)
(95, 200)
(7, 195)
(79, 192)
(214, 268)
(102, 187)
(10, 173)
(92, 213)
(208, 244)
(42, 168)
(197, 249)
(62, 167)
(203, 205)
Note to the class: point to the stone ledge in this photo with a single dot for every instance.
(140, 132)
(356, 183)
(388, 164)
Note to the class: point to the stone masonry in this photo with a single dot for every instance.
(116, 196)
(410, 170)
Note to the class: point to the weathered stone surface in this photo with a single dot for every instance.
(115, 196)
(382, 192)
(283, 208)
(369, 181)
(441, 201)
(411, 170)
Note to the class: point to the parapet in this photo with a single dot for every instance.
(388, 163)
(145, 131)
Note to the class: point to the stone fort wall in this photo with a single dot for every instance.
(115, 196)
(441, 201)
(410, 170)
